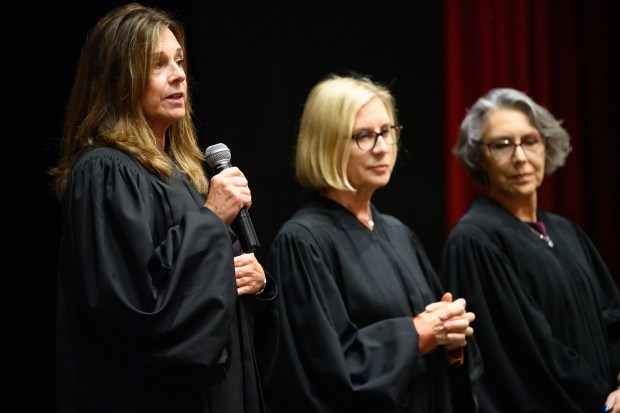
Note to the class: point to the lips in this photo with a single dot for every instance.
(380, 168)
(522, 177)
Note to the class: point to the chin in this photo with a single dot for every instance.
(381, 184)
(177, 115)
(523, 193)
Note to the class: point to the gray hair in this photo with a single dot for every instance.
(467, 149)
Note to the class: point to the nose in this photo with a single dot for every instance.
(519, 151)
(177, 74)
(381, 142)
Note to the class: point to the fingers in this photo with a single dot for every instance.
(460, 325)
(612, 404)
(456, 340)
(449, 321)
(450, 310)
(456, 325)
(228, 194)
(460, 302)
(455, 333)
(232, 182)
(249, 273)
(447, 297)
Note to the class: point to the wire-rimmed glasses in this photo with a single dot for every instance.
(503, 149)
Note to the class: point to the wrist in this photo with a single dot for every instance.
(263, 287)
(427, 341)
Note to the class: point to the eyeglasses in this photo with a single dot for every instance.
(503, 149)
(366, 139)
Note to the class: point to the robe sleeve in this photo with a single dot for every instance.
(327, 362)
(158, 289)
(609, 298)
(525, 367)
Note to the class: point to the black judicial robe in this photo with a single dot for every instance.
(149, 317)
(346, 298)
(547, 319)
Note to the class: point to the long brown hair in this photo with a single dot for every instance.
(104, 110)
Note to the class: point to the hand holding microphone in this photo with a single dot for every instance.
(228, 193)
(218, 158)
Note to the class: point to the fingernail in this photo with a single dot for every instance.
(606, 408)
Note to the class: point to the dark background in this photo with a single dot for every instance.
(252, 64)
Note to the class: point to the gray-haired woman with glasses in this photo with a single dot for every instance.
(547, 309)
(365, 325)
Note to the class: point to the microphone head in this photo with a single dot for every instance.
(217, 154)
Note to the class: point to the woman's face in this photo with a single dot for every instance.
(370, 169)
(513, 154)
(163, 102)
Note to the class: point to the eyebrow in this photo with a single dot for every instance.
(161, 52)
(512, 135)
(372, 129)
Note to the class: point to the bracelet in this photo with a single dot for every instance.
(264, 285)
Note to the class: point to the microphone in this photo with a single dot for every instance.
(218, 159)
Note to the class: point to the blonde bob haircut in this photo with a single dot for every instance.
(324, 141)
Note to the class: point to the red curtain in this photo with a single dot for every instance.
(564, 55)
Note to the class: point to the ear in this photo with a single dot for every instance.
(481, 160)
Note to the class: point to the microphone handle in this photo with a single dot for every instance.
(242, 225)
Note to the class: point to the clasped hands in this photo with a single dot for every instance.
(449, 321)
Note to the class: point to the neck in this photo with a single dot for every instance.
(159, 132)
(523, 207)
(356, 203)
(161, 142)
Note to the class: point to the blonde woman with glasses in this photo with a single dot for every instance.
(547, 309)
(365, 325)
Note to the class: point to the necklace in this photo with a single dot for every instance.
(542, 236)
(371, 223)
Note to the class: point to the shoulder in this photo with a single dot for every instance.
(394, 227)
(107, 164)
(318, 222)
(107, 157)
(389, 220)
(304, 223)
(105, 170)
(562, 226)
(556, 219)
(484, 221)
(486, 214)
(316, 213)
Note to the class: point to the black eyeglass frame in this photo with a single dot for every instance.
(397, 130)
